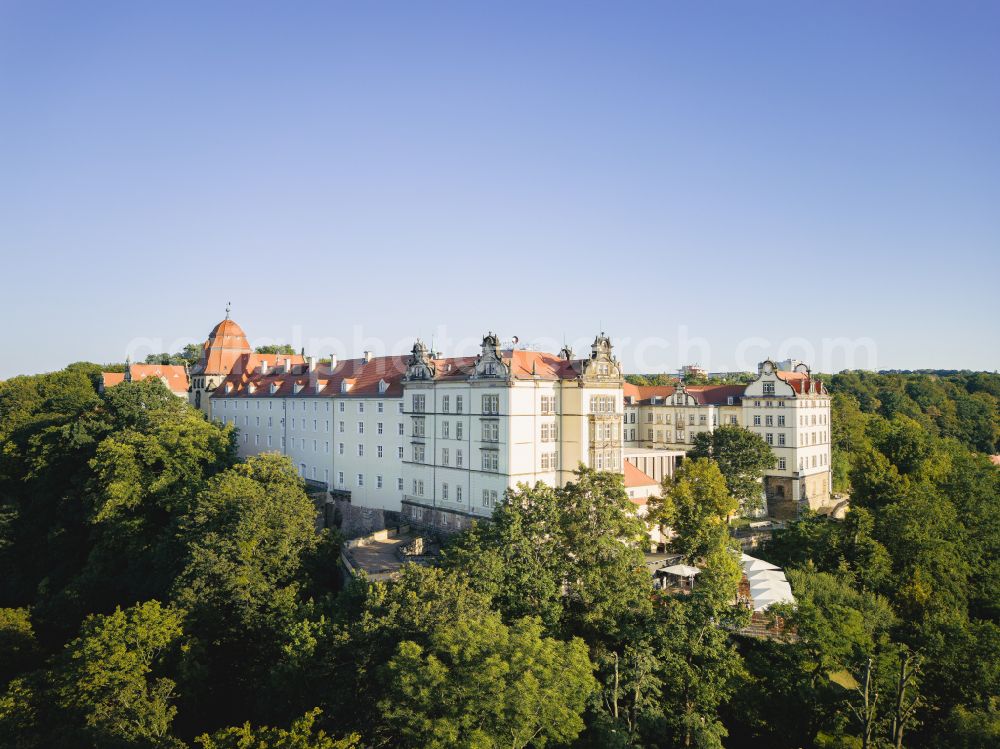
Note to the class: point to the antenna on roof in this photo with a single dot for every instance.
(229, 307)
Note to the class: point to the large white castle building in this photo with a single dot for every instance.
(440, 439)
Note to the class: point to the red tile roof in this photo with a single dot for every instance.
(112, 378)
(635, 478)
(716, 395)
(363, 380)
(174, 376)
(802, 383)
(225, 344)
(524, 365)
(645, 393)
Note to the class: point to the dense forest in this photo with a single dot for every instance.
(158, 592)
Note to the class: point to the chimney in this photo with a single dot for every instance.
(367, 356)
(263, 366)
(288, 366)
(333, 362)
(312, 363)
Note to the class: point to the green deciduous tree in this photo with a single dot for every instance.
(247, 535)
(107, 679)
(696, 504)
(742, 457)
(277, 348)
(303, 734)
(479, 683)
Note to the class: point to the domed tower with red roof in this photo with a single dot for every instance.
(226, 346)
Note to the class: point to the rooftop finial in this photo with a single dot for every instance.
(229, 307)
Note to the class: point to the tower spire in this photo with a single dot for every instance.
(229, 307)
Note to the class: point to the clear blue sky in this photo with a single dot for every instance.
(788, 172)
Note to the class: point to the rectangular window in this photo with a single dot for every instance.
(379, 428)
(381, 407)
(445, 456)
(399, 452)
(756, 420)
(418, 426)
(769, 421)
(361, 451)
(769, 438)
(458, 493)
(361, 427)
(445, 429)
(491, 460)
(458, 404)
(781, 420)
(341, 404)
(419, 402)
(340, 448)
(491, 431)
(445, 403)
(378, 482)
(340, 478)
(491, 404)
(418, 453)
(380, 451)
(340, 427)
(400, 429)
(361, 479)
(781, 439)
(458, 458)
(768, 388)
(444, 490)
(781, 464)
(361, 407)
(458, 430)
(399, 484)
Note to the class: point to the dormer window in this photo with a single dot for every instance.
(729, 401)
(768, 388)
(345, 386)
(297, 388)
(274, 388)
(229, 387)
(251, 388)
(382, 386)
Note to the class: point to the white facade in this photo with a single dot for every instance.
(479, 426)
(341, 426)
(788, 409)
(791, 411)
(442, 439)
